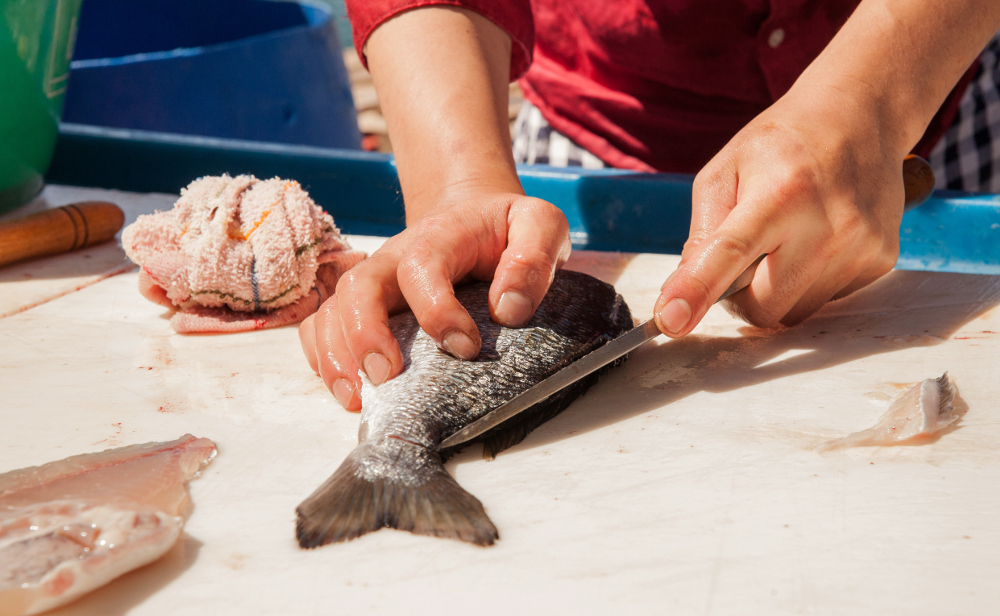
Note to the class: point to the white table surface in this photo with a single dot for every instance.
(685, 482)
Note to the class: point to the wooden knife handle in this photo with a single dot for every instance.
(59, 230)
(918, 181)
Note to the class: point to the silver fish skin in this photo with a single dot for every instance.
(396, 476)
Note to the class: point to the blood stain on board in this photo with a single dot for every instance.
(237, 561)
(164, 357)
(115, 439)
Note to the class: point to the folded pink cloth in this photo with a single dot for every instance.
(238, 254)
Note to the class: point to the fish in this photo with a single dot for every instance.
(914, 416)
(70, 526)
(396, 477)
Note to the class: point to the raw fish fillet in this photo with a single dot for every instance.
(70, 526)
(918, 413)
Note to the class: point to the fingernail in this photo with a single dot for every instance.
(675, 315)
(377, 368)
(343, 390)
(458, 344)
(514, 309)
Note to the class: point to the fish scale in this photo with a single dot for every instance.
(396, 476)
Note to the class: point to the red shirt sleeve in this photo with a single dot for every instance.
(513, 16)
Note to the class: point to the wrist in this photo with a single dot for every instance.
(469, 188)
(843, 118)
(441, 74)
(895, 61)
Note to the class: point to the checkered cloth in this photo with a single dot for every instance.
(967, 157)
(537, 143)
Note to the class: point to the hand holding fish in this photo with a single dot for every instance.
(516, 241)
(441, 74)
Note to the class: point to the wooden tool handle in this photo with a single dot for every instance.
(59, 230)
(918, 181)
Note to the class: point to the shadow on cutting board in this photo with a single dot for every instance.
(902, 310)
(119, 596)
(99, 260)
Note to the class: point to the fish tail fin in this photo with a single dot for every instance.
(359, 499)
(946, 398)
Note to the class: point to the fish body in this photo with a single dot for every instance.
(396, 477)
(917, 414)
(70, 526)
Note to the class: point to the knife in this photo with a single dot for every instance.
(595, 360)
(918, 180)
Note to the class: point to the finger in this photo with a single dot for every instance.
(785, 277)
(713, 197)
(425, 279)
(537, 245)
(365, 294)
(713, 265)
(877, 269)
(836, 275)
(861, 281)
(151, 290)
(307, 338)
(851, 267)
(335, 364)
(839, 280)
(844, 269)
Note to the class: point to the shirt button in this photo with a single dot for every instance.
(776, 37)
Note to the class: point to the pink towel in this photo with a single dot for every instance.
(238, 254)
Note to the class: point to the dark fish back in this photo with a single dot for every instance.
(579, 314)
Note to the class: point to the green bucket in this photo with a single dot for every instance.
(36, 44)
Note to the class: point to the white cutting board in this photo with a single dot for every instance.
(685, 482)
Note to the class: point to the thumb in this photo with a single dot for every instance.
(724, 242)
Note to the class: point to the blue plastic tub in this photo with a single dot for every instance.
(239, 69)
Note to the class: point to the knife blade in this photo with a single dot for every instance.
(918, 181)
(591, 362)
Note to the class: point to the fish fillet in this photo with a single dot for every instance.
(70, 526)
(920, 412)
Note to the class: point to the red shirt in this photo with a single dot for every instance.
(655, 85)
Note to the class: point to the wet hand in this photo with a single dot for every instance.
(814, 187)
(516, 241)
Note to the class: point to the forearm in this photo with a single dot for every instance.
(899, 59)
(441, 75)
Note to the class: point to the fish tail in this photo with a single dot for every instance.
(363, 495)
